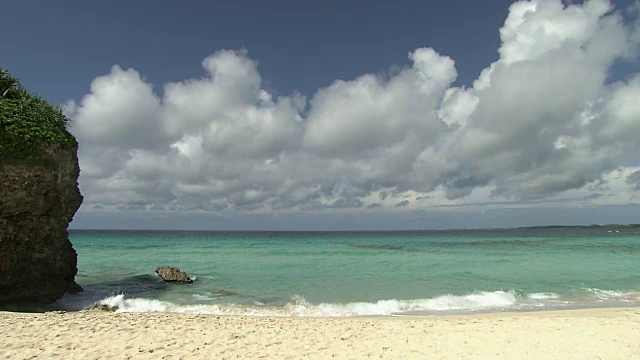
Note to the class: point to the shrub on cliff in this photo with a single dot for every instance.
(28, 124)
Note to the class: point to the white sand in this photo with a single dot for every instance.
(576, 334)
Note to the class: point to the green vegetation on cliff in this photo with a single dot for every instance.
(28, 124)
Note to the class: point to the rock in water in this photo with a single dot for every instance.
(102, 307)
(37, 201)
(223, 293)
(173, 274)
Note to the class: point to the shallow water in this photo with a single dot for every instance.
(360, 273)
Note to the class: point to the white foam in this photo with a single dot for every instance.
(135, 304)
(203, 297)
(614, 295)
(543, 296)
(301, 307)
(476, 301)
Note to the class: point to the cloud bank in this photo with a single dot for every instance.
(544, 123)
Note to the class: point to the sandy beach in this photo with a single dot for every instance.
(573, 334)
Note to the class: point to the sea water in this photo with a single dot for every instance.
(331, 274)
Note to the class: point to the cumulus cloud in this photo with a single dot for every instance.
(634, 180)
(541, 122)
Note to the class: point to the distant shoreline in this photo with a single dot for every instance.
(594, 226)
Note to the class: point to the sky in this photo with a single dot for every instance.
(334, 115)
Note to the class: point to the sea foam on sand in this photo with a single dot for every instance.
(570, 334)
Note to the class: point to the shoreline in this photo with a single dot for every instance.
(569, 334)
(478, 302)
(272, 311)
(48, 309)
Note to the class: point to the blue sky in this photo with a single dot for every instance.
(341, 115)
(300, 45)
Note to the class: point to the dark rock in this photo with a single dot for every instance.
(37, 202)
(103, 307)
(74, 288)
(173, 274)
(223, 293)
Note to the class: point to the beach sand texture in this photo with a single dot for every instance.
(572, 334)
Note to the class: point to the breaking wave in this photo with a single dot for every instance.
(300, 307)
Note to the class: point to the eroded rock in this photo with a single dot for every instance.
(37, 201)
(173, 274)
(103, 307)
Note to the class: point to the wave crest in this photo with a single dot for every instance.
(300, 307)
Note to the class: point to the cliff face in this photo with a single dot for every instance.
(37, 262)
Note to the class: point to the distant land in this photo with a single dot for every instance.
(538, 227)
(607, 226)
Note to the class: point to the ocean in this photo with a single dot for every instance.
(337, 274)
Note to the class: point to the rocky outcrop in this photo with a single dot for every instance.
(37, 201)
(102, 307)
(173, 274)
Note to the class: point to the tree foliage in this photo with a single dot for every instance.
(29, 124)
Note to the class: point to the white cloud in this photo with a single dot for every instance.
(368, 113)
(119, 108)
(542, 123)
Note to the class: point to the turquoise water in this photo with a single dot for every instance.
(360, 273)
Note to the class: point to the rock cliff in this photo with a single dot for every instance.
(37, 201)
